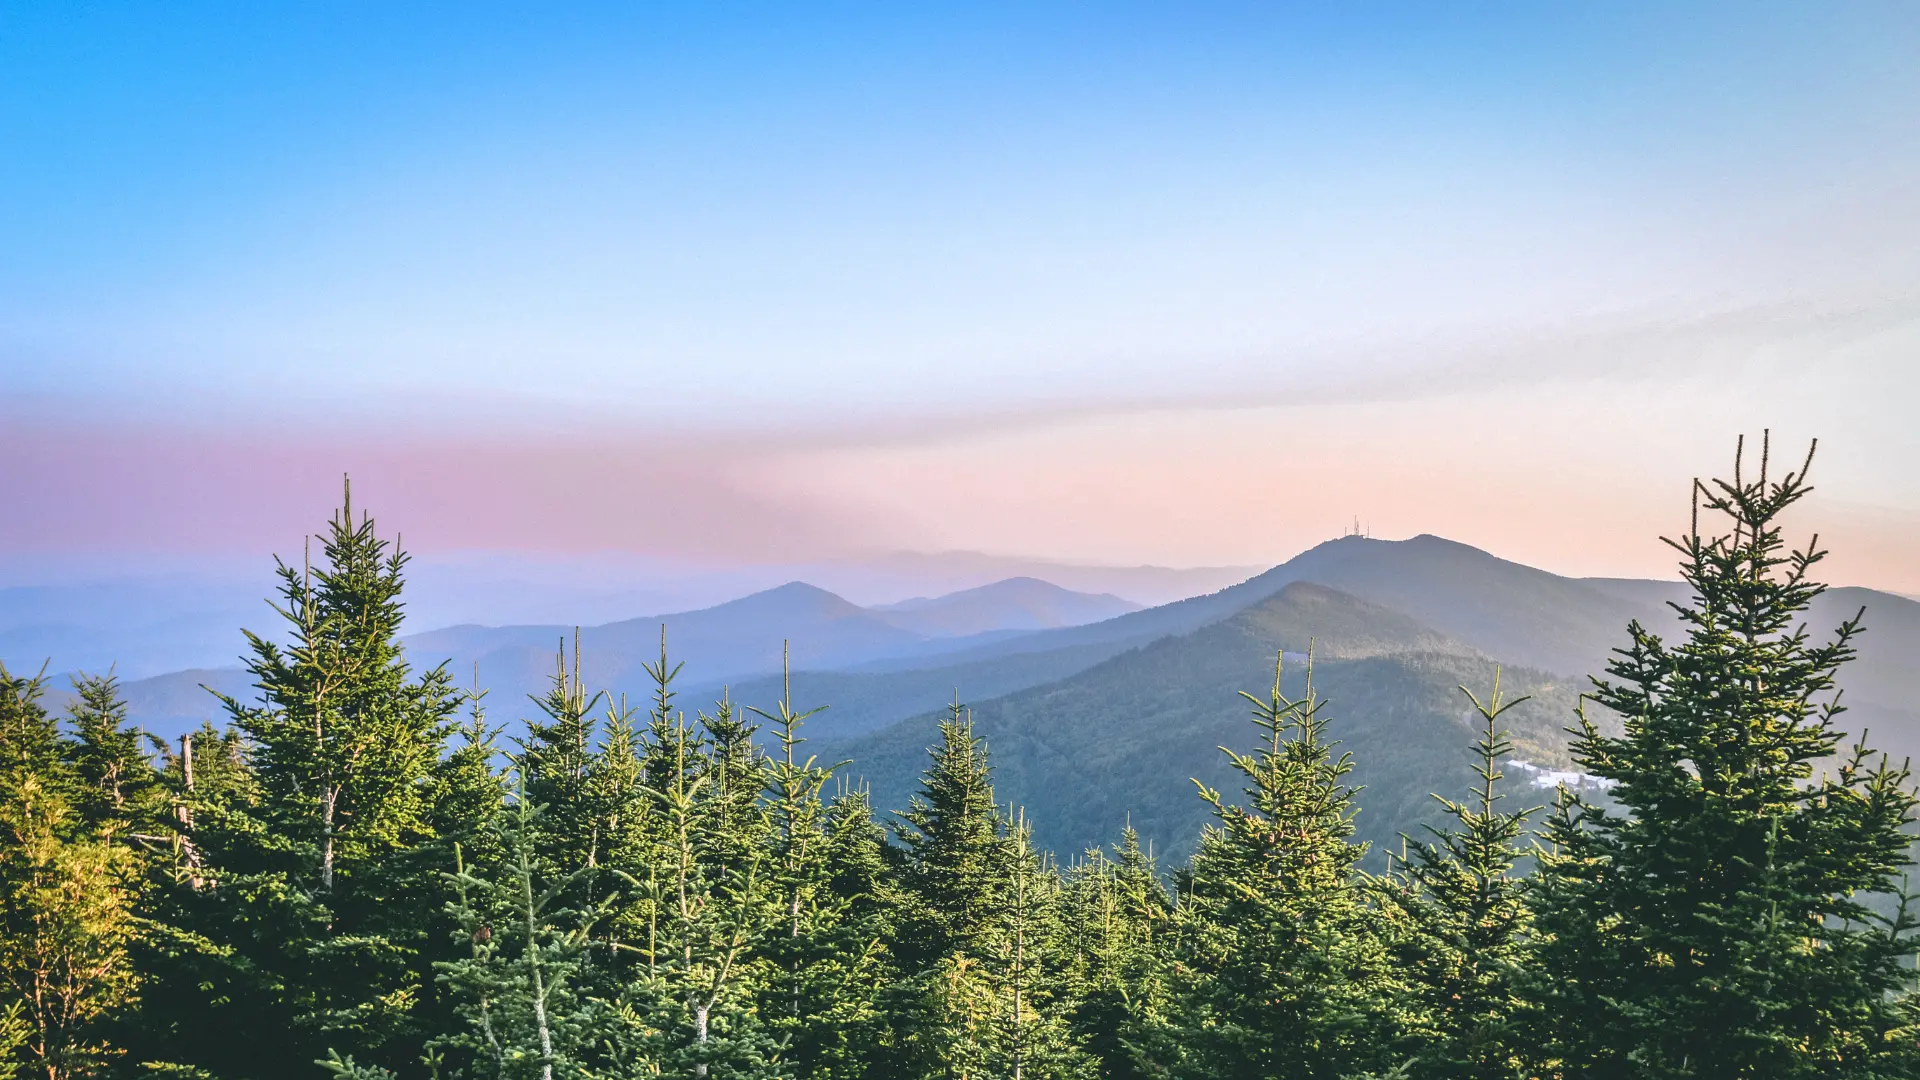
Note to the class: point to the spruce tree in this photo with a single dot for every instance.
(65, 903)
(952, 836)
(518, 989)
(978, 930)
(1281, 966)
(118, 789)
(711, 889)
(1118, 915)
(315, 916)
(347, 738)
(1461, 925)
(825, 954)
(1718, 922)
(1033, 969)
(557, 761)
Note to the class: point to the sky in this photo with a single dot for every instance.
(1190, 285)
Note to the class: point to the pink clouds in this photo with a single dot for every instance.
(1575, 475)
(108, 486)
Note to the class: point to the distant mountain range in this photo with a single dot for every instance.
(738, 640)
(747, 637)
(150, 619)
(1096, 709)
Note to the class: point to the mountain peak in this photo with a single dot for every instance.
(1015, 603)
(1340, 625)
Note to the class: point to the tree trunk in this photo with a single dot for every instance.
(533, 971)
(327, 804)
(700, 1036)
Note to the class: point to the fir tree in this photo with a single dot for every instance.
(65, 918)
(1117, 923)
(710, 885)
(821, 997)
(117, 786)
(347, 739)
(1035, 1039)
(977, 930)
(1462, 916)
(953, 846)
(853, 1034)
(315, 914)
(1281, 970)
(518, 987)
(557, 761)
(1717, 924)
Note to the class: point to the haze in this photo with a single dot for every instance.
(1192, 286)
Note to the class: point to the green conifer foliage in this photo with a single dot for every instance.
(118, 789)
(1462, 921)
(315, 914)
(1717, 924)
(1117, 913)
(978, 930)
(953, 847)
(825, 958)
(469, 791)
(1281, 966)
(557, 759)
(348, 738)
(65, 904)
(519, 987)
(1032, 969)
(710, 884)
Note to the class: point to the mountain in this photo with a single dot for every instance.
(1019, 603)
(878, 579)
(1120, 739)
(154, 615)
(740, 637)
(860, 702)
(1412, 620)
(1505, 608)
(167, 705)
(877, 667)
(138, 628)
(744, 638)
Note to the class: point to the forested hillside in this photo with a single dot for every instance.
(1114, 870)
(1118, 742)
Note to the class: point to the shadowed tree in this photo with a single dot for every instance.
(1716, 924)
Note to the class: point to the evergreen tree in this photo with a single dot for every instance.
(519, 988)
(1463, 919)
(469, 792)
(1281, 966)
(347, 740)
(1717, 924)
(710, 883)
(856, 969)
(976, 927)
(1117, 923)
(557, 759)
(952, 836)
(313, 921)
(825, 959)
(117, 788)
(65, 918)
(1032, 969)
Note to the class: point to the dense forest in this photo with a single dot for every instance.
(362, 876)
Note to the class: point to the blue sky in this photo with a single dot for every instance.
(854, 222)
